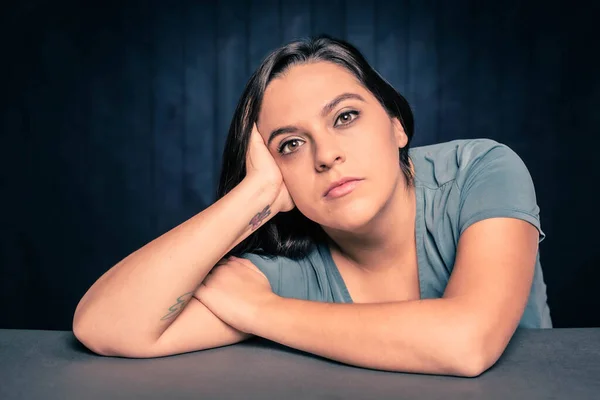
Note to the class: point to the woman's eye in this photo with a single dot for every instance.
(291, 145)
(347, 117)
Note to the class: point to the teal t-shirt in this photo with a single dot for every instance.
(457, 183)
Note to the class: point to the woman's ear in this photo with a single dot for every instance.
(399, 134)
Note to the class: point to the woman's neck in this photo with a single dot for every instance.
(387, 240)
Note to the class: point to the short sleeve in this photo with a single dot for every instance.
(304, 278)
(270, 266)
(496, 183)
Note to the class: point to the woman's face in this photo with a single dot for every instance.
(333, 128)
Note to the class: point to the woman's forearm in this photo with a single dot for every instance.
(135, 301)
(430, 336)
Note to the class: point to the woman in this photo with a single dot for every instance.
(349, 244)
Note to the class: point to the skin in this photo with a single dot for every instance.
(373, 227)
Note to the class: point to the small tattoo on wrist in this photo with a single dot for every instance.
(177, 307)
(258, 218)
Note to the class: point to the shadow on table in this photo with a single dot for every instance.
(254, 343)
(75, 345)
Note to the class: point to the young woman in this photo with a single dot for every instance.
(331, 236)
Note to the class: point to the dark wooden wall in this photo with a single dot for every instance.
(114, 116)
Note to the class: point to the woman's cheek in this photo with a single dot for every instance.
(303, 200)
(294, 188)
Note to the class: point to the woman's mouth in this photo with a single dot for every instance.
(343, 189)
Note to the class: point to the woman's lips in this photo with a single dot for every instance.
(343, 189)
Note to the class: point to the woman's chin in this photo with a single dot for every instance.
(351, 218)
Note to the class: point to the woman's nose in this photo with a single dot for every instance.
(328, 152)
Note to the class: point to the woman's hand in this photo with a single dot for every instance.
(261, 165)
(235, 290)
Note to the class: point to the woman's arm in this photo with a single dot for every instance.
(132, 304)
(461, 334)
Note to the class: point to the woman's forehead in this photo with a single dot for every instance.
(304, 89)
(318, 78)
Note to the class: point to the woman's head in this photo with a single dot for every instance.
(325, 114)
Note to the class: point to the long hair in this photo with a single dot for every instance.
(291, 234)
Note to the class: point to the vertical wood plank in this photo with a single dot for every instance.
(454, 69)
(546, 57)
(328, 17)
(391, 53)
(265, 32)
(295, 19)
(422, 70)
(105, 179)
(20, 253)
(59, 235)
(71, 258)
(513, 72)
(137, 122)
(232, 63)
(360, 27)
(13, 152)
(201, 163)
(169, 113)
(533, 130)
(485, 78)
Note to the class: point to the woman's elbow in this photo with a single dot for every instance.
(473, 353)
(475, 357)
(471, 367)
(112, 348)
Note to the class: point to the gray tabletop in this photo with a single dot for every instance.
(538, 364)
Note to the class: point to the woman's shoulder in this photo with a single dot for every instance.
(453, 161)
(309, 277)
(466, 181)
(297, 276)
(457, 146)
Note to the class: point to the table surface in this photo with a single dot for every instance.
(537, 364)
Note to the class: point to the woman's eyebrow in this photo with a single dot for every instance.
(326, 110)
(281, 131)
(344, 96)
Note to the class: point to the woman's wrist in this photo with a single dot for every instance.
(261, 194)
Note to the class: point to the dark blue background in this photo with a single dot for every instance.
(114, 116)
